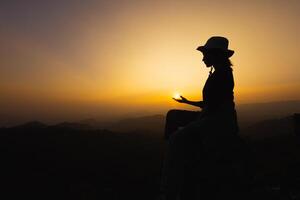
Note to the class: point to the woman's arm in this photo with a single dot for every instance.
(193, 103)
(196, 103)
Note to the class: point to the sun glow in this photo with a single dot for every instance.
(85, 71)
(176, 95)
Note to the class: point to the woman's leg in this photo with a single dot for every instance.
(183, 148)
(178, 118)
(174, 120)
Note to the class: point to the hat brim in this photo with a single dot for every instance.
(228, 52)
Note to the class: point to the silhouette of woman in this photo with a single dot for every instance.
(201, 131)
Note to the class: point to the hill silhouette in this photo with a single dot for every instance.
(79, 161)
(270, 128)
(31, 125)
(74, 125)
(249, 114)
(59, 162)
(152, 123)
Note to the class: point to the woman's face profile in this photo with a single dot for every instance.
(207, 59)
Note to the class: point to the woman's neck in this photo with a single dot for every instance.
(220, 67)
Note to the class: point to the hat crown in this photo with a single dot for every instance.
(217, 42)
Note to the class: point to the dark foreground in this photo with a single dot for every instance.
(62, 162)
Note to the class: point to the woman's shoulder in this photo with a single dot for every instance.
(223, 77)
(223, 73)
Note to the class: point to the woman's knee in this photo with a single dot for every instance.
(179, 138)
(172, 113)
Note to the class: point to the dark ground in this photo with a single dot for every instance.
(63, 162)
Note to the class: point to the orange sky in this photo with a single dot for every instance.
(71, 58)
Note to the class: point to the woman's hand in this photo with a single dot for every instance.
(182, 100)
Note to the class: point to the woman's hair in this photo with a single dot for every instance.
(224, 59)
(228, 62)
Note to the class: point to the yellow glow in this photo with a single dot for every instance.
(142, 57)
(176, 95)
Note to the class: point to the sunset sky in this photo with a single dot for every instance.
(71, 59)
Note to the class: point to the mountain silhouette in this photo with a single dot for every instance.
(70, 160)
(65, 161)
(270, 128)
(249, 114)
(152, 123)
(31, 125)
(73, 125)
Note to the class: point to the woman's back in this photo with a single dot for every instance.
(218, 93)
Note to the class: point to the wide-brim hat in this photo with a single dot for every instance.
(217, 43)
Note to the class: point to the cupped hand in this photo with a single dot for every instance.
(182, 100)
